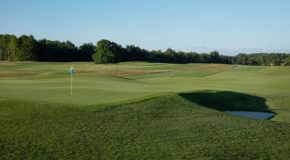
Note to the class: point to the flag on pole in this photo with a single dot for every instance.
(71, 72)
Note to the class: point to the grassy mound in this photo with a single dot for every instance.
(169, 127)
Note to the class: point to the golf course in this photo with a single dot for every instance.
(142, 110)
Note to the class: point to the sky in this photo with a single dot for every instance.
(187, 25)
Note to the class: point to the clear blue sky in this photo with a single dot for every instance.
(153, 24)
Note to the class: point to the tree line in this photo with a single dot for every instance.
(27, 48)
(110, 52)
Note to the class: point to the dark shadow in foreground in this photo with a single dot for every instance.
(228, 101)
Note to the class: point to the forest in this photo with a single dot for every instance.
(27, 48)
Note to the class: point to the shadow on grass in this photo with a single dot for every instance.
(228, 101)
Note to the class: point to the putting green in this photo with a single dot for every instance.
(96, 85)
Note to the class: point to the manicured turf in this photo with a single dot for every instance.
(142, 111)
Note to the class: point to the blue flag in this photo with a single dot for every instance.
(71, 71)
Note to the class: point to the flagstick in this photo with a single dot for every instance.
(71, 81)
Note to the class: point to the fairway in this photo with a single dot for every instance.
(139, 110)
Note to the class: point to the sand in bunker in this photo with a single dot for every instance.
(254, 115)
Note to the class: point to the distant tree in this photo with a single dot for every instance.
(134, 53)
(69, 51)
(27, 46)
(170, 55)
(57, 51)
(204, 58)
(12, 48)
(240, 59)
(4, 41)
(155, 56)
(267, 59)
(9, 47)
(86, 51)
(287, 61)
(192, 57)
(1, 49)
(214, 56)
(107, 52)
(226, 59)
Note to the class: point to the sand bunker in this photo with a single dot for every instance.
(254, 115)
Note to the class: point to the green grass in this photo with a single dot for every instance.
(169, 127)
(142, 111)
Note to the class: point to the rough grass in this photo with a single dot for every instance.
(168, 127)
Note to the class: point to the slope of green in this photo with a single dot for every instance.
(93, 84)
(96, 85)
